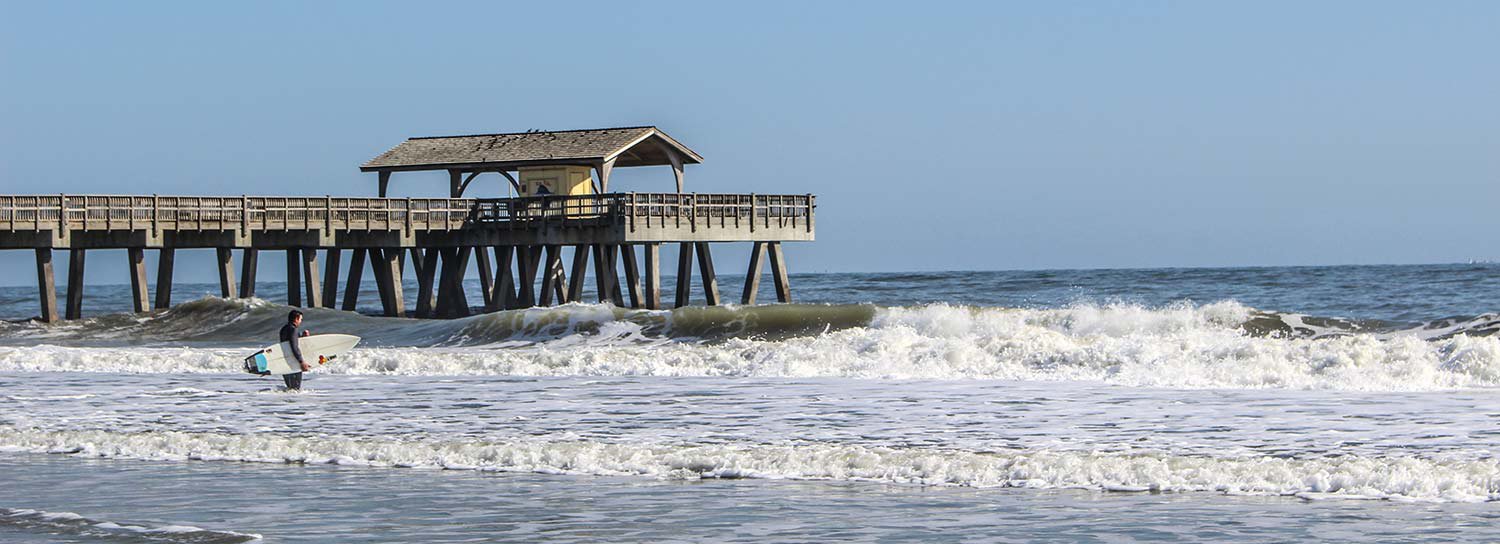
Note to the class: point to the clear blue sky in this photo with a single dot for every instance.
(938, 136)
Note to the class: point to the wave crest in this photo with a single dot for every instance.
(1399, 478)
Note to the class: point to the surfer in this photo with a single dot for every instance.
(289, 334)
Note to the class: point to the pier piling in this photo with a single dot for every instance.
(684, 274)
(653, 276)
(752, 274)
(140, 300)
(75, 283)
(165, 260)
(331, 258)
(356, 273)
(225, 260)
(46, 284)
(706, 275)
(249, 262)
(293, 277)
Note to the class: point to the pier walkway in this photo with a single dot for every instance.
(513, 240)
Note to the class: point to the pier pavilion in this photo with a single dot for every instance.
(562, 204)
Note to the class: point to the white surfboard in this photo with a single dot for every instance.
(317, 350)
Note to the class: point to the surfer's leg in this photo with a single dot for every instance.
(293, 381)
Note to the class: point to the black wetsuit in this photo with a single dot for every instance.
(289, 334)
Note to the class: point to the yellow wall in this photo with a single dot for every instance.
(559, 180)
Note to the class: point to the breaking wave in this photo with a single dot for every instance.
(1217, 345)
(1350, 477)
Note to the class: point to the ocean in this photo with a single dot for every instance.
(1231, 404)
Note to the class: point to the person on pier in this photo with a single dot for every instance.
(290, 333)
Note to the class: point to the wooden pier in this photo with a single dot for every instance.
(516, 242)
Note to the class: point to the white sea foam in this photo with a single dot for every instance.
(76, 524)
(1177, 346)
(1398, 478)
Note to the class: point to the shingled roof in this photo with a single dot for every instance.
(628, 146)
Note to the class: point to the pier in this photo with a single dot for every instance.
(519, 244)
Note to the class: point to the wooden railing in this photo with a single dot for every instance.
(247, 213)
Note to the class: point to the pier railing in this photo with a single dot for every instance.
(247, 213)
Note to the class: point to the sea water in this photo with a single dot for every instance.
(1263, 404)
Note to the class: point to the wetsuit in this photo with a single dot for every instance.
(289, 334)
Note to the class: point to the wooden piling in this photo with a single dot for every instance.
(425, 273)
(140, 299)
(331, 258)
(75, 283)
(387, 263)
(602, 284)
(293, 277)
(706, 275)
(356, 275)
(632, 274)
(778, 273)
(551, 280)
(525, 277)
(560, 286)
(752, 274)
(46, 285)
(310, 276)
(653, 276)
(249, 261)
(460, 302)
(504, 296)
(580, 268)
(164, 263)
(225, 259)
(684, 274)
(392, 265)
(486, 275)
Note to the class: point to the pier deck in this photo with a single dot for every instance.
(525, 235)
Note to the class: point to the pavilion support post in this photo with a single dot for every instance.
(310, 273)
(356, 274)
(249, 258)
(632, 274)
(331, 258)
(706, 275)
(46, 284)
(455, 184)
(486, 275)
(527, 258)
(293, 277)
(778, 273)
(385, 182)
(224, 256)
(504, 297)
(164, 263)
(552, 277)
(387, 269)
(580, 268)
(426, 271)
(75, 283)
(653, 276)
(752, 274)
(684, 274)
(140, 300)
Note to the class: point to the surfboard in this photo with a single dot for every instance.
(318, 349)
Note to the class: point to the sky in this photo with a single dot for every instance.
(937, 136)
